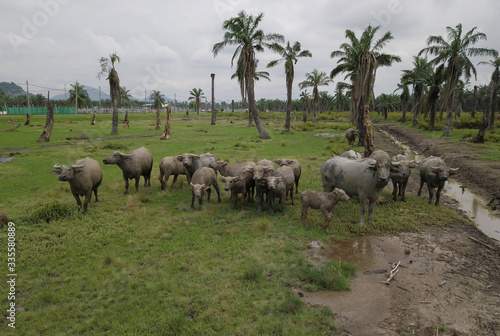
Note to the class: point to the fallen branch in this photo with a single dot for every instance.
(394, 271)
(480, 242)
(12, 128)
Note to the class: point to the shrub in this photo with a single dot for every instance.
(51, 211)
(115, 146)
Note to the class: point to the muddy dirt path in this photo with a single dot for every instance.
(448, 283)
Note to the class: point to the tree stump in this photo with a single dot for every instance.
(28, 119)
(166, 132)
(49, 123)
(93, 119)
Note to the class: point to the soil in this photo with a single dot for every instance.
(448, 281)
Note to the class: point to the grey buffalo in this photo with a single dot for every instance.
(297, 170)
(322, 201)
(434, 173)
(365, 178)
(134, 164)
(351, 154)
(401, 167)
(84, 177)
(193, 162)
(202, 180)
(169, 165)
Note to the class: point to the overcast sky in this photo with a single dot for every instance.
(167, 45)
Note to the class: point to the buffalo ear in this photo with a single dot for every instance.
(77, 168)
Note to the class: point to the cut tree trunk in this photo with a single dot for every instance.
(28, 119)
(16, 126)
(166, 132)
(93, 119)
(157, 118)
(49, 123)
(114, 89)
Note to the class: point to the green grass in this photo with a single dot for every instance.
(146, 263)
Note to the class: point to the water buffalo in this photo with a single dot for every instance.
(202, 180)
(84, 177)
(193, 162)
(297, 170)
(322, 201)
(280, 184)
(401, 167)
(238, 169)
(365, 178)
(351, 135)
(169, 165)
(134, 164)
(260, 174)
(238, 185)
(434, 172)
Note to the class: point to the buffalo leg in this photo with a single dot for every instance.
(217, 190)
(371, 205)
(403, 191)
(421, 185)
(282, 202)
(175, 179)
(192, 201)
(87, 200)
(394, 191)
(137, 184)
(431, 193)
(209, 192)
(126, 185)
(438, 195)
(95, 194)
(77, 198)
(328, 216)
(362, 209)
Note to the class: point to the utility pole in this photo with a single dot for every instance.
(213, 100)
(76, 97)
(99, 100)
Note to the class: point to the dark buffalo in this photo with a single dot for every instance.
(435, 173)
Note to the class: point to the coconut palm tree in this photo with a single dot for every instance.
(158, 102)
(404, 98)
(386, 103)
(435, 81)
(339, 94)
(454, 52)
(242, 31)
(418, 77)
(315, 79)
(108, 67)
(125, 96)
(196, 95)
(78, 96)
(495, 77)
(359, 60)
(306, 103)
(289, 55)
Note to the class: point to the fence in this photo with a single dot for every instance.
(38, 110)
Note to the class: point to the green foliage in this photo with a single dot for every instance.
(466, 121)
(53, 210)
(333, 275)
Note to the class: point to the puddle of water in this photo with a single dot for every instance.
(475, 207)
(4, 159)
(472, 204)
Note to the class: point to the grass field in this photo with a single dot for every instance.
(146, 263)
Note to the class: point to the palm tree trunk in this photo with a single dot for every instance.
(166, 132)
(114, 89)
(432, 112)
(479, 138)
(289, 82)
(473, 112)
(493, 107)
(157, 117)
(212, 122)
(448, 125)
(252, 106)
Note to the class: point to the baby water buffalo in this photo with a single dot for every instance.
(202, 180)
(400, 173)
(193, 162)
(351, 135)
(84, 177)
(322, 201)
(237, 169)
(434, 172)
(169, 165)
(134, 164)
(260, 174)
(280, 184)
(238, 185)
(297, 170)
(365, 178)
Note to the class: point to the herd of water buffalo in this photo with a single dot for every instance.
(342, 176)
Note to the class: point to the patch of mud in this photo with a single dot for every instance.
(4, 159)
(440, 282)
(329, 135)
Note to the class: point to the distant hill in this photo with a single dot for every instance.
(11, 89)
